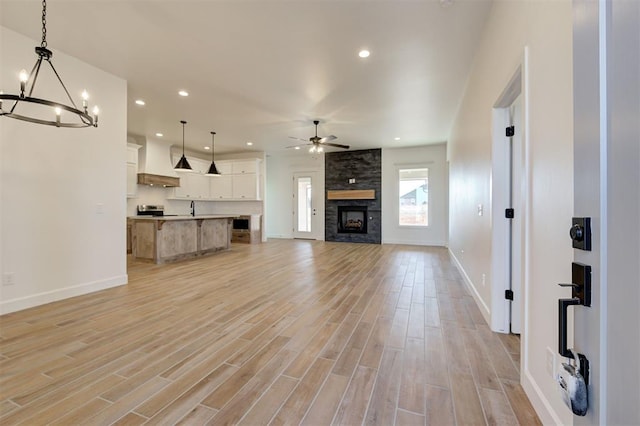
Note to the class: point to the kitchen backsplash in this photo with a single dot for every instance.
(156, 195)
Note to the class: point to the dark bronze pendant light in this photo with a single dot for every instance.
(213, 170)
(183, 165)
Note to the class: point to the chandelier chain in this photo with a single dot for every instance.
(44, 24)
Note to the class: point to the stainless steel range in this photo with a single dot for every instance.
(150, 210)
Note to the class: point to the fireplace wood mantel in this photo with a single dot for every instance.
(355, 194)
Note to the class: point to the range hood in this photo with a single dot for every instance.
(154, 163)
(157, 180)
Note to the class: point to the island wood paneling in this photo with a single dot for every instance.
(290, 331)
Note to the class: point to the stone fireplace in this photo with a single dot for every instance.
(354, 215)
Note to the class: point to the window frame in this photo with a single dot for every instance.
(400, 169)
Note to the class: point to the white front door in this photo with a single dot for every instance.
(305, 206)
(606, 56)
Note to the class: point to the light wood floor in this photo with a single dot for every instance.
(286, 332)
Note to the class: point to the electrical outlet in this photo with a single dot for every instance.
(551, 362)
(480, 210)
(8, 278)
(484, 279)
(99, 208)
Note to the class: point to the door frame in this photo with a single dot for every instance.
(518, 85)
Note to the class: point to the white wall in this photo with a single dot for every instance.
(433, 157)
(279, 207)
(546, 27)
(55, 181)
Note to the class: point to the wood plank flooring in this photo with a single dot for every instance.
(285, 332)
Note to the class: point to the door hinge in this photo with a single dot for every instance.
(511, 130)
(509, 213)
(508, 294)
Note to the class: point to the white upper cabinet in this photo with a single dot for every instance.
(241, 167)
(221, 186)
(239, 180)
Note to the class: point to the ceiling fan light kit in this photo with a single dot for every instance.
(28, 85)
(318, 143)
(183, 165)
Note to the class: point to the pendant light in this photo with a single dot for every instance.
(183, 165)
(213, 170)
(25, 100)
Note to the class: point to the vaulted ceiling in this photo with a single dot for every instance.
(261, 71)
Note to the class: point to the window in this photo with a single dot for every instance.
(414, 197)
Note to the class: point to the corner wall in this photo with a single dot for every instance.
(546, 28)
(63, 191)
(279, 190)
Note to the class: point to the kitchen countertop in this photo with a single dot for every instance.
(185, 217)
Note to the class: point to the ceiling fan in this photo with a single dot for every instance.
(318, 143)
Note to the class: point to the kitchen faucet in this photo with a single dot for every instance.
(193, 208)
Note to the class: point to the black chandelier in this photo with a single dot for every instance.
(213, 170)
(28, 84)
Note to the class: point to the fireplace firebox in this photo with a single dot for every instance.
(352, 219)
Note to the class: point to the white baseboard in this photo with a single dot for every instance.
(414, 243)
(484, 309)
(540, 403)
(18, 304)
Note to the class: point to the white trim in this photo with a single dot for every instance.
(540, 403)
(416, 243)
(604, 16)
(484, 309)
(31, 301)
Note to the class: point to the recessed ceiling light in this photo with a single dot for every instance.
(159, 135)
(183, 93)
(396, 138)
(250, 143)
(297, 147)
(207, 147)
(139, 102)
(364, 53)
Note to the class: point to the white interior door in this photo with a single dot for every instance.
(517, 167)
(305, 205)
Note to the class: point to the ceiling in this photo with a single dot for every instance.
(261, 71)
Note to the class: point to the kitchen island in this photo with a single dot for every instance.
(164, 239)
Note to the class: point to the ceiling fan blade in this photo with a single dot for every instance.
(297, 146)
(328, 138)
(298, 139)
(337, 145)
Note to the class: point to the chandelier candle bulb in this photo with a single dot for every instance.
(85, 97)
(58, 113)
(24, 77)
